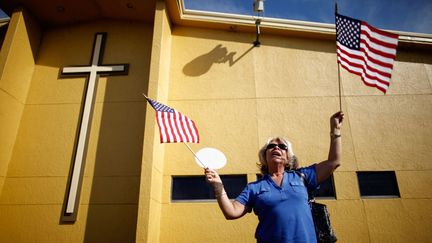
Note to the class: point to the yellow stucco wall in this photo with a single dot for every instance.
(239, 96)
(149, 220)
(37, 176)
(17, 62)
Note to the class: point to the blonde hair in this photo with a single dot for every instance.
(292, 162)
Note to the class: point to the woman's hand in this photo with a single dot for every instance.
(213, 178)
(336, 121)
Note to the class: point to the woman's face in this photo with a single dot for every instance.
(276, 152)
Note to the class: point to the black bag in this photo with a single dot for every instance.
(321, 217)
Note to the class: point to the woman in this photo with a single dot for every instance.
(280, 199)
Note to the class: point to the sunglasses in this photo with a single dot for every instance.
(280, 145)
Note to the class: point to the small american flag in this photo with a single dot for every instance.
(366, 51)
(174, 127)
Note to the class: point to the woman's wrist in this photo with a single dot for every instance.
(335, 133)
(221, 194)
(219, 189)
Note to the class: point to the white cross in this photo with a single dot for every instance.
(93, 71)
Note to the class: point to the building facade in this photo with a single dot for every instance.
(238, 95)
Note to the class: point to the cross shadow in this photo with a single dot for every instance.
(203, 63)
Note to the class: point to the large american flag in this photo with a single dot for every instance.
(366, 51)
(174, 127)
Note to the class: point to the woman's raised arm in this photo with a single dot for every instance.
(326, 168)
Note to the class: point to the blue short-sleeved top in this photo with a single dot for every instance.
(283, 212)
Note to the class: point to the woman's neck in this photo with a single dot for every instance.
(277, 171)
(277, 177)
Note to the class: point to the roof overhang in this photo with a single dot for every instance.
(65, 12)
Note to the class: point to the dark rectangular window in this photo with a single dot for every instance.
(326, 189)
(378, 184)
(195, 187)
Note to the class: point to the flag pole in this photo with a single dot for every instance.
(340, 91)
(338, 65)
(195, 155)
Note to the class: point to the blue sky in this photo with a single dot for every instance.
(2, 14)
(401, 15)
